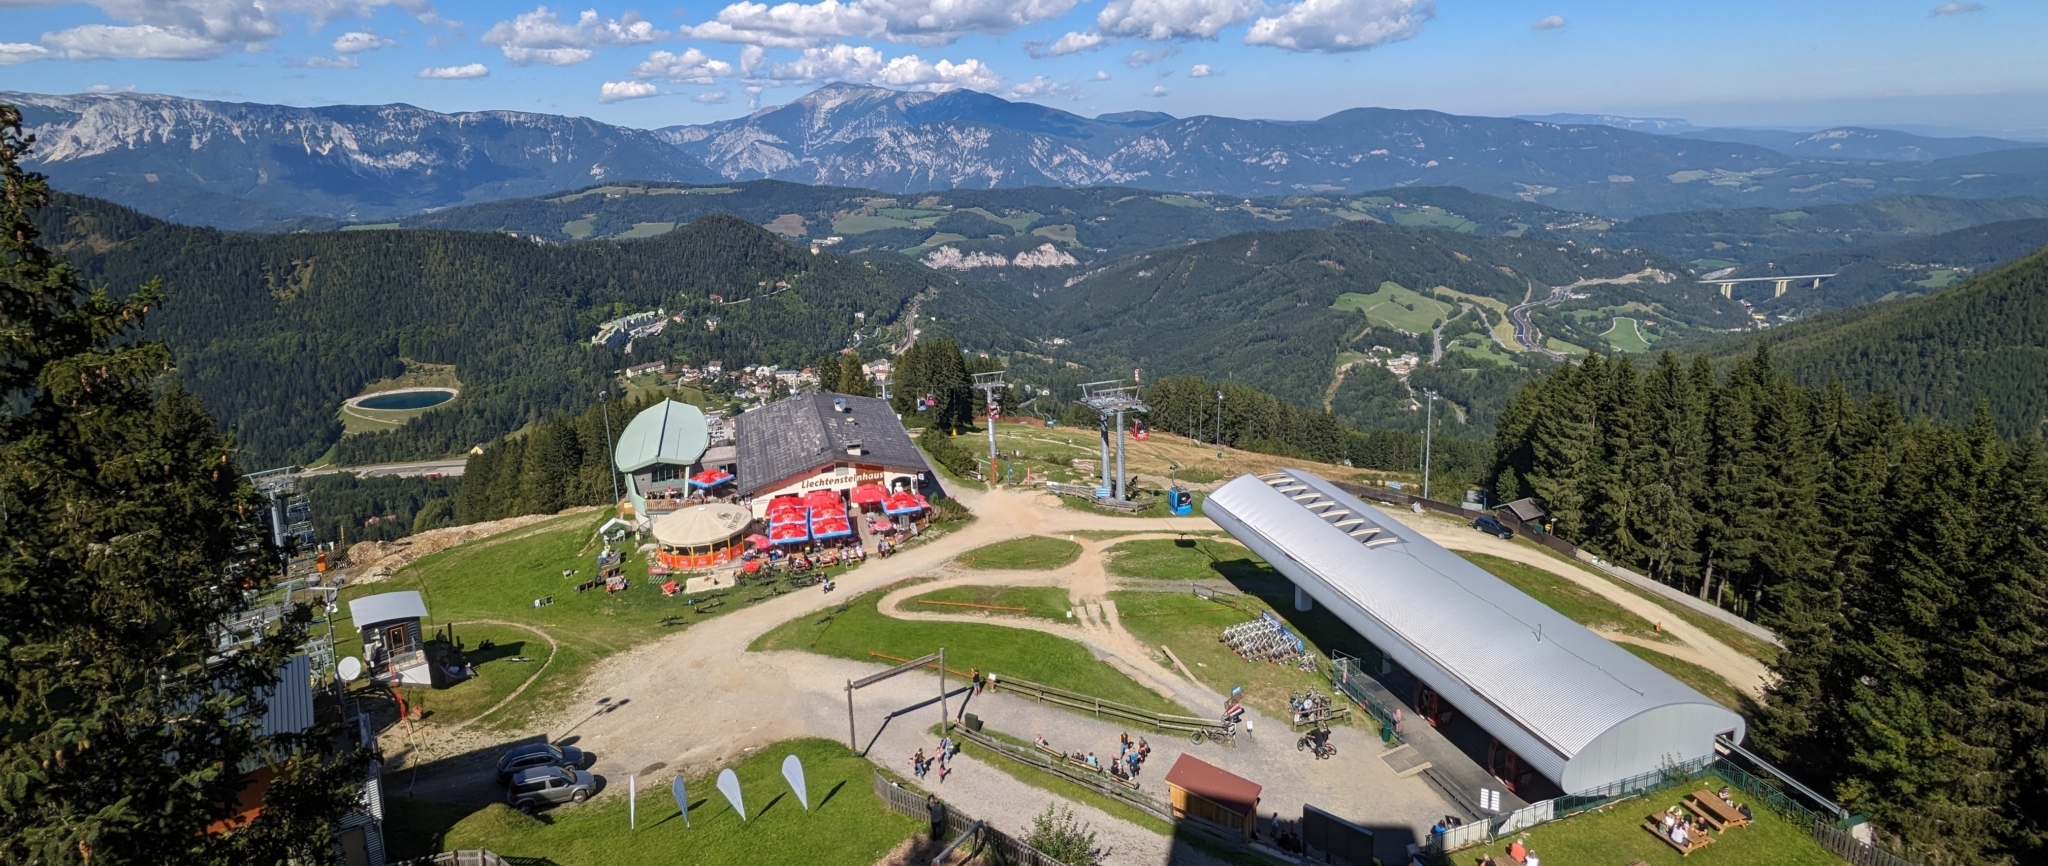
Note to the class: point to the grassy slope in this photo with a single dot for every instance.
(1577, 603)
(860, 829)
(1614, 835)
(1030, 552)
(1029, 655)
(1044, 602)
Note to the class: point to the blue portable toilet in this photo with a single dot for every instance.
(1180, 502)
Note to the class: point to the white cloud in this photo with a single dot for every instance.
(1159, 20)
(141, 41)
(1341, 25)
(1954, 8)
(198, 29)
(21, 52)
(867, 65)
(1549, 22)
(541, 37)
(1157, 90)
(357, 41)
(466, 70)
(615, 91)
(919, 22)
(712, 97)
(1072, 43)
(690, 67)
(1141, 58)
(1101, 75)
(1200, 70)
(1041, 87)
(346, 61)
(110, 88)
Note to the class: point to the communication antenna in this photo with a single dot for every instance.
(988, 384)
(1107, 398)
(349, 669)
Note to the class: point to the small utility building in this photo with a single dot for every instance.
(393, 649)
(823, 441)
(1558, 700)
(1203, 791)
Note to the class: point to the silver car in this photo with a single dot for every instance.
(530, 755)
(540, 787)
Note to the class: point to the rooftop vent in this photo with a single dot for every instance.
(839, 405)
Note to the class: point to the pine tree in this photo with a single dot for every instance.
(853, 379)
(129, 537)
(1671, 471)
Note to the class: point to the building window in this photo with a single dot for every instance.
(666, 472)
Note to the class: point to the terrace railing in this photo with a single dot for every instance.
(1101, 707)
(993, 844)
(1348, 676)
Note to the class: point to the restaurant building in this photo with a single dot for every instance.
(820, 441)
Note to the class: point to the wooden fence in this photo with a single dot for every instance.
(991, 843)
(1100, 707)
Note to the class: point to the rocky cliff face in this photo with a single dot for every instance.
(241, 165)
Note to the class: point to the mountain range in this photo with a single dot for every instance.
(247, 166)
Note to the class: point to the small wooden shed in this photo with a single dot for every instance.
(1203, 791)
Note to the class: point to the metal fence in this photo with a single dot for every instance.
(1348, 675)
(991, 844)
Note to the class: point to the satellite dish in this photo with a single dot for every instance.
(349, 669)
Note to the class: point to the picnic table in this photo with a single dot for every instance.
(1715, 810)
(1694, 841)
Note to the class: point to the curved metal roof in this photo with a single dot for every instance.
(373, 609)
(666, 432)
(1562, 685)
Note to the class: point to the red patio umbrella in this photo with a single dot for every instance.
(753, 565)
(710, 478)
(759, 541)
(869, 494)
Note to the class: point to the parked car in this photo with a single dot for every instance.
(1492, 526)
(541, 787)
(530, 755)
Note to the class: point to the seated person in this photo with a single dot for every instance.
(1724, 796)
(1701, 825)
(1092, 762)
(1517, 852)
(1680, 837)
(1041, 740)
(1744, 809)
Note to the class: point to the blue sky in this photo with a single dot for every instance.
(1979, 66)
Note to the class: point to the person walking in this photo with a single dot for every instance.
(937, 812)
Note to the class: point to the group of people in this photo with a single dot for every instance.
(921, 765)
(1729, 798)
(1130, 755)
(1446, 822)
(1679, 830)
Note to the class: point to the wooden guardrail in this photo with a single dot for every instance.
(1100, 707)
(1057, 763)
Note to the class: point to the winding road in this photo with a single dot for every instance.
(1525, 330)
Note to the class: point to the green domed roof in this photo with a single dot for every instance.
(667, 432)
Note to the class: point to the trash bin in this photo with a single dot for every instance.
(973, 723)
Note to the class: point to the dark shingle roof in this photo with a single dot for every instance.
(804, 432)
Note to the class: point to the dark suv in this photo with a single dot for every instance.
(530, 755)
(1492, 526)
(541, 787)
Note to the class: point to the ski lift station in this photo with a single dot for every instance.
(1557, 700)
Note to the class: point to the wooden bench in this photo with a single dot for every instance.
(1052, 751)
(1698, 840)
(1121, 780)
(1717, 813)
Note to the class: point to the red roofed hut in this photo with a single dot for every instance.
(1203, 791)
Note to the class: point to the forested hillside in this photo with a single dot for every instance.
(1900, 269)
(1980, 342)
(1282, 311)
(1712, 239)
(274, 331)
(1901, 563)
